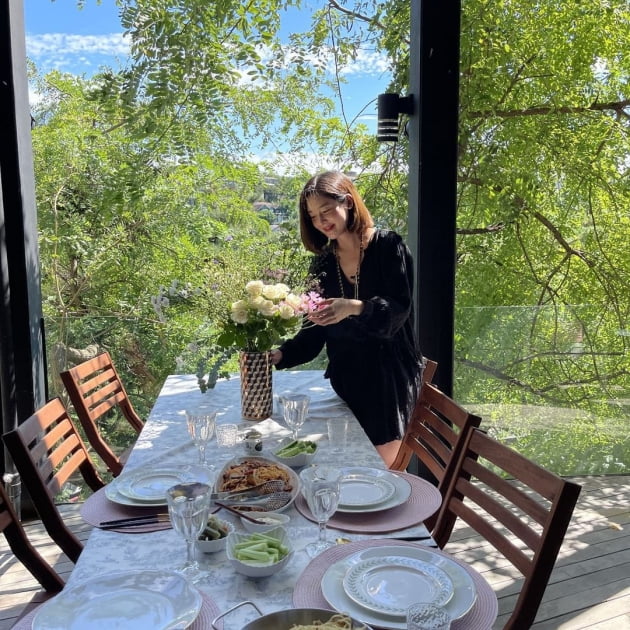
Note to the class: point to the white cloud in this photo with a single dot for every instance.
(66, 51)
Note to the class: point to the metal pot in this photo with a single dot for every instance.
(286, 619)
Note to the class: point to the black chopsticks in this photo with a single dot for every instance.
(132, 521)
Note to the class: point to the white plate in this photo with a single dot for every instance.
(134, 601)
(390, 584)
(148, 486)
(464, 593)
(293, 476)
(364, 490)
(402, 489)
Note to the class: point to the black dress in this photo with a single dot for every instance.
(374, 363)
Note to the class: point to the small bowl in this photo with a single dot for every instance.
(297, 461)
(257, 569)
(219, 544)
(273, 520)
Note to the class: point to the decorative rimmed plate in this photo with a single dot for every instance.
(392, 583)
(148, 486)
(464, 592)
(135, 601)
(402, 489)
(359, 490)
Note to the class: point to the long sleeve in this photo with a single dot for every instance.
(389, 304)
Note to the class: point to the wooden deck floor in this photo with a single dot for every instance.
(589, 588)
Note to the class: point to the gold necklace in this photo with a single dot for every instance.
(356, 276)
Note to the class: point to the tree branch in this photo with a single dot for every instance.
(616, 106)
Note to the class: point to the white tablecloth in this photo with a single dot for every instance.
(164, 440)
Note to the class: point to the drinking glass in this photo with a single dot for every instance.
(294, 410)
(337, 433)
(427, 617)
(201, 425)
(320, 487)
(227, 435)
(188, 505)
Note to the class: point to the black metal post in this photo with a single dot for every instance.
(434, 82)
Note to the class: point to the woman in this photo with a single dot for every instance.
(366, 320)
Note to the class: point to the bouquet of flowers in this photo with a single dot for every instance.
(265, 315)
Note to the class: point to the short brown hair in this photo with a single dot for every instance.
(335, 185)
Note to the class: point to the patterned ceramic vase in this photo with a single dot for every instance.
(256, 385)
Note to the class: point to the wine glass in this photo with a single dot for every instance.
(201, 425)
(321, 487)
(294, 410)
(188, 506)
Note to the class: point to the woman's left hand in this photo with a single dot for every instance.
(333, 310)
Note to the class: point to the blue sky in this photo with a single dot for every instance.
(61, 36)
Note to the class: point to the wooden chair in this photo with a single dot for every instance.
(22, 548)
(435, 434)
(47, 451)
(95, 389)
(520, 508)
(430, 368)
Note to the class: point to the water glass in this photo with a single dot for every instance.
(321, 488)
(227, 436)
(188, 505)
(427, 617)
(201, 425)
(294, 410)
(337, 433)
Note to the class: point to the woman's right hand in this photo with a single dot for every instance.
(276, 356)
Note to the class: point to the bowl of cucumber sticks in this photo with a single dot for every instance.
(259, 554)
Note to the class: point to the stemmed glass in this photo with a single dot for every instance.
(188, 506)
(321, 487)
(294, 410)
(201, 425)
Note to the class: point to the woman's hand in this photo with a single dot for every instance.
(276, 356)
(333, 310)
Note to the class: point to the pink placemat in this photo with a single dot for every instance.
(308, 591)
(425, 500)
(98, 508)
(209, 611)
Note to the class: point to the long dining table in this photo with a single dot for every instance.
(164, 441)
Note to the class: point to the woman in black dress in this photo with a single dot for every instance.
(366, 320)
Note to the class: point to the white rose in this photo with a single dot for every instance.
(283, 290)
(267, 308)
(286, 311)
(239, 316)
(271, 292)
(294, 300)
(257, 302)
(239, 312)
(254, 287)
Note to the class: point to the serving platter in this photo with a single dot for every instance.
(147, 486)
(402, 489)
(133, 600)
(239, 466)
(462, 600)
(390, 584)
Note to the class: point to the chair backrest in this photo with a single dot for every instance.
(95, 389)
(430, 368)
(23, 549)
(47, 451)
(520, 508)
(435, 434)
